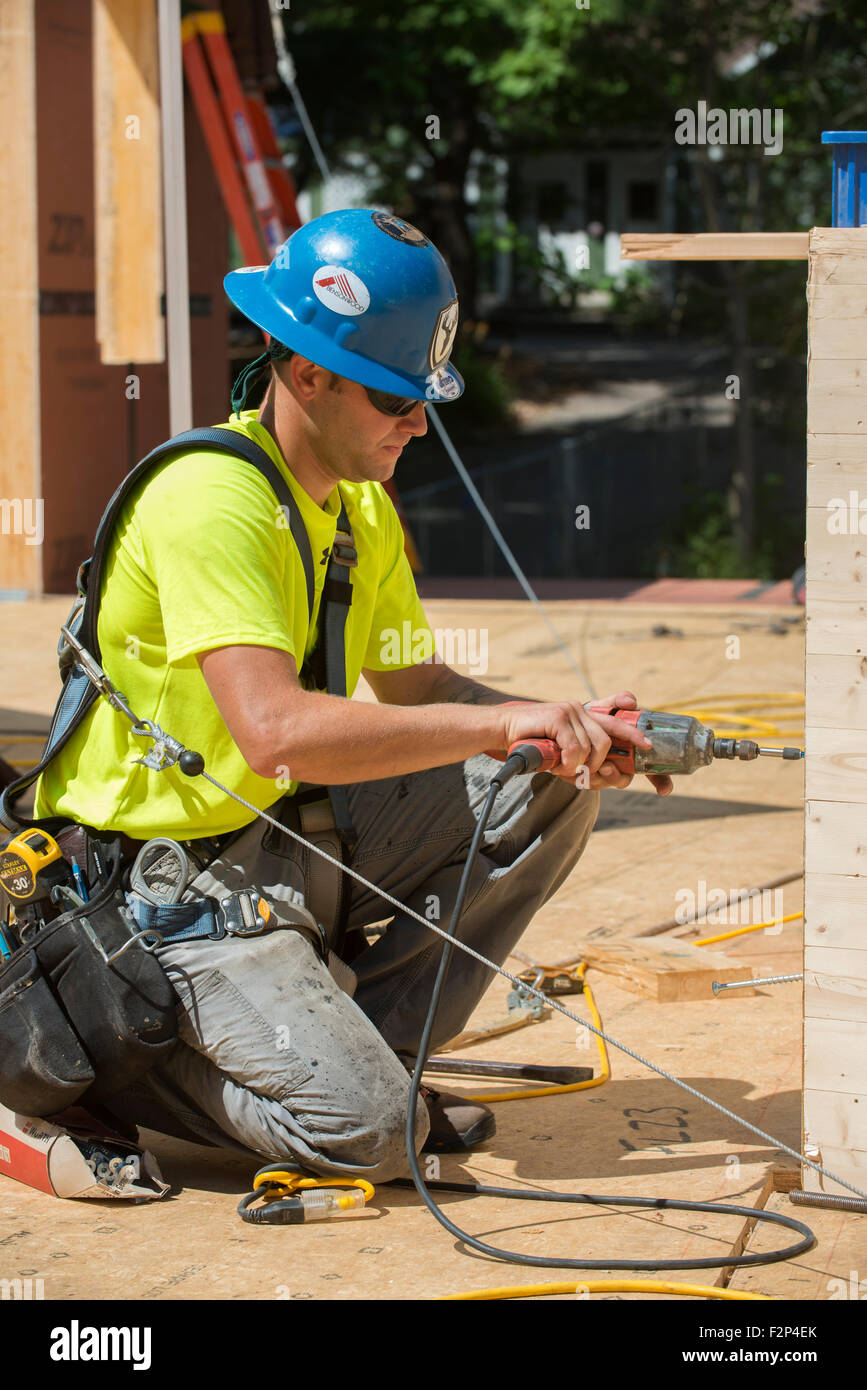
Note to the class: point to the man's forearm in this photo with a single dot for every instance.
(331, 740)
(453, 688)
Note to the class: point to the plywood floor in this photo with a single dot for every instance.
(733, 826)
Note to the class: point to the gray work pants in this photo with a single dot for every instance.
(274, 1057)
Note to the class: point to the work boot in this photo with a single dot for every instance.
(456, 1123)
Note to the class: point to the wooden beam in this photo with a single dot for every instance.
(832, 305)
(714, 246)
(669, 971)
(20, 469)
(837, 688)
(836, 398)
(835, 839)
(849, 243)
(835, 629)
(839, 765)
(129, 260)
(834, 464)
(835, 984)
(835, 1055)
(835, 907)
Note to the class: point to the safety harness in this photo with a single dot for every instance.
(324, 668)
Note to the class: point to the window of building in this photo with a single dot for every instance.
(551, 203)
(642, 199)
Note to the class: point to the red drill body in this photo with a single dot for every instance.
(681, 744)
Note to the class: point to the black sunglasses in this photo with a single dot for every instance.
(388, 404)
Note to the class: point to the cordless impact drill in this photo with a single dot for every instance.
(680, 745)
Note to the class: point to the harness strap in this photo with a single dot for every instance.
(205, 917)
(78, 694)
(221, 440)
(326, 668)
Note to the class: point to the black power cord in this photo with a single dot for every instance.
(527, 758)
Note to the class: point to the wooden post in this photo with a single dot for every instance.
(835, 940)
(174, 171)
(835, 839)
(20, 471)
(129, 260)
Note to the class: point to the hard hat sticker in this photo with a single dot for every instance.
(443, 335)
(341, 290)
(400, 230)
(442, 386)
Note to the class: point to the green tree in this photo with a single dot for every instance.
(506, 78)
(408, 93)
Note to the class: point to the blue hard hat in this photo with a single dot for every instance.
(363, 294)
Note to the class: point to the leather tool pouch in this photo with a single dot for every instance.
(73, 1021)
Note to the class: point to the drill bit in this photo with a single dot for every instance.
(746, 749)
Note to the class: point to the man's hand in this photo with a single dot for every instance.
(584, 738)
(609, 775)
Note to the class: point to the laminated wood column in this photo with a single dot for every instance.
(129, 260)
(835, 939)
(20, 472)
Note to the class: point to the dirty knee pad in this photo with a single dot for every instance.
(377, 1143)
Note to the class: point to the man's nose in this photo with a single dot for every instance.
(416, 420)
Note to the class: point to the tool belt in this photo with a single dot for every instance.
(84, 1009)
(84, 1006)
(220, 900)
(210, 919)
(309, 813)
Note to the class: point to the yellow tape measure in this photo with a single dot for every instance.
(31, 863)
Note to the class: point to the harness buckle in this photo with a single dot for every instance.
(245, 913)
(343, 550)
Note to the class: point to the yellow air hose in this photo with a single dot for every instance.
(741, 931)
(759, 716)
(606, 1286)
(577, 1085)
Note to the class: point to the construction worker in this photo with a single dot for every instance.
(206, 625)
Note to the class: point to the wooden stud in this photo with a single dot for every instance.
(129, 260)
(20, 469)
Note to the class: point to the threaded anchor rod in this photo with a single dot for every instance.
(742, 984)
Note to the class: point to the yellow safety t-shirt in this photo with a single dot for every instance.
(202, 557)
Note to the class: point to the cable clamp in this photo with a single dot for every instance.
(166, 750)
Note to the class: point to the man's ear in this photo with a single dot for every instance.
(304, 377)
